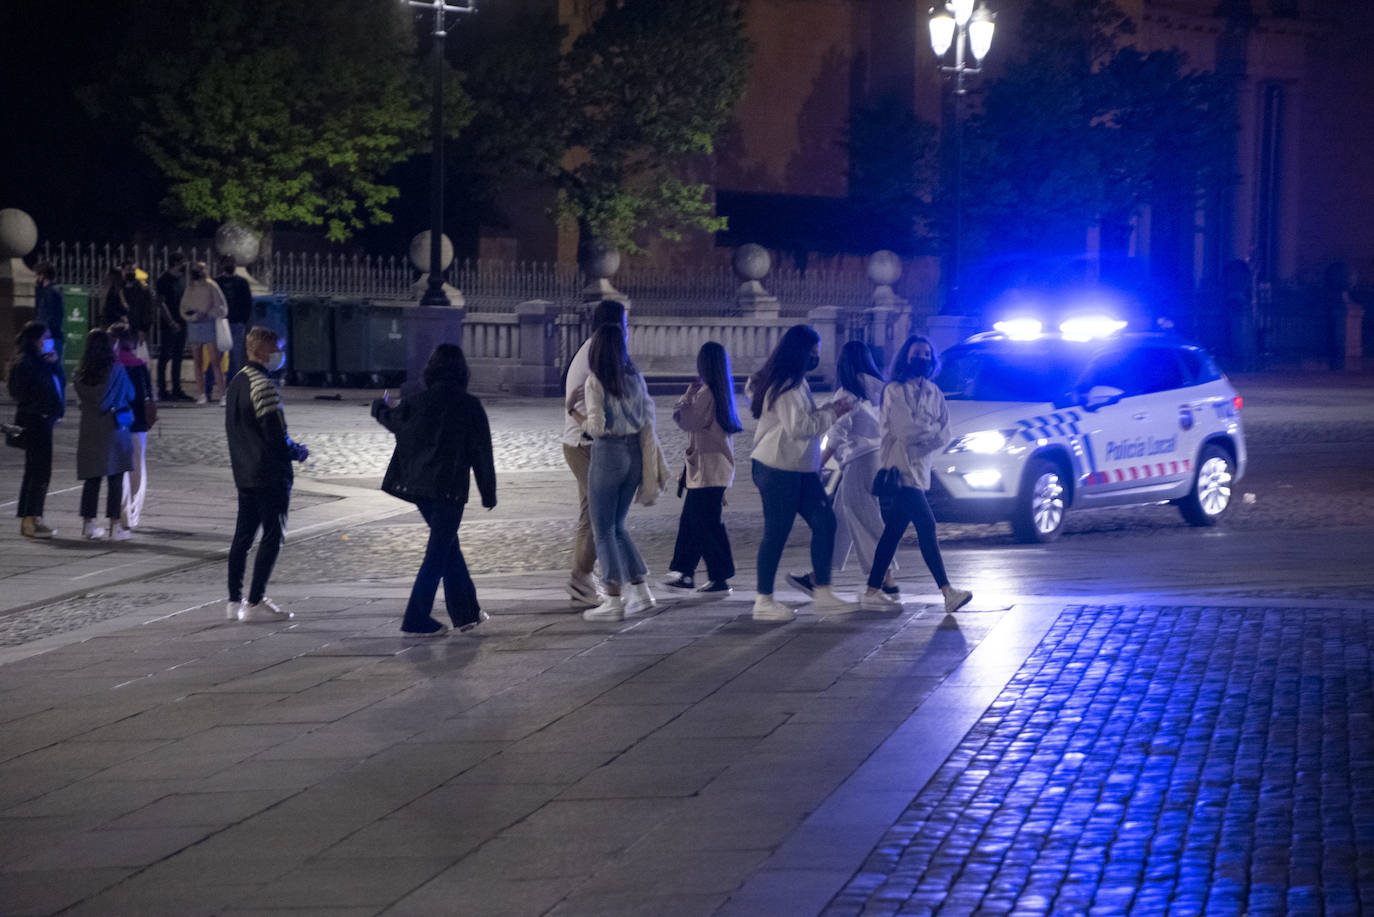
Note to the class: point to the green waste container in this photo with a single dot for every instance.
(76, 324)
(270, 311)
(369, 342)
(310, 340)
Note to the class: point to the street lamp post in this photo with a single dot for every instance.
(434, 293)
(968, 30)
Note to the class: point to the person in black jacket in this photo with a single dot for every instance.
(239, 297)
(49, 310)
(36, 388)
(261, 454)
(442, 438)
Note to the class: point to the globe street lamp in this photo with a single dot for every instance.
(434, 293)
(958, 25)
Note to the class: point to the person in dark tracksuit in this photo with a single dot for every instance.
(261, 454)
(36, 388)
(442, 441)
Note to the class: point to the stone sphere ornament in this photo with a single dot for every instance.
(752, 261)
(598, 259)
(18, 233)
(884, 267)
(239, 240)
(419, 252)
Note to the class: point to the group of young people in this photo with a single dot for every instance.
(873, 424)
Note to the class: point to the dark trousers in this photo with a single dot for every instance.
(908, 506)
(265, 508)
(787, 495)
(443, 561)
(33, 490)
(90, 496)
(169, 353)
(701, 535)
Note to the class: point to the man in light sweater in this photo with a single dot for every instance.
(577, 452)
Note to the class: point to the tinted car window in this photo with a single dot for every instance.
(1136, 372)
(1015, 371)
(1198, 365)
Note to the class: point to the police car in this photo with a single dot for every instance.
(1087, 417)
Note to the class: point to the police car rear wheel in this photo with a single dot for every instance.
(1040, 508)
(1210, 497)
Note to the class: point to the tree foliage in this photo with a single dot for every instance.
(614, 120)
(893, 175)
(274, 111)
(1083, 129)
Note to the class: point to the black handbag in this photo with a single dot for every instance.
(886, 482)
(14, 435)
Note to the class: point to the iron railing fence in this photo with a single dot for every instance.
(488, 286)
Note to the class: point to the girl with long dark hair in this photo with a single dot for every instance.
(853, 442)
(104, 448)
(135, 483)
(915, 425)
(442, 440)
(707, 413)
(625, 459)
(36, 387)
(786, 469)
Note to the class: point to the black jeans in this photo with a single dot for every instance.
(701, 535)
(90, 496)
(443, 561)
(909, 505)
(33, 490)
(263, 507)
(786, 495)
(169, 353)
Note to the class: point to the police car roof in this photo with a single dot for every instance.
(1056, 338)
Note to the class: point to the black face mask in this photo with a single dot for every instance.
(920, 367)
(812, 362)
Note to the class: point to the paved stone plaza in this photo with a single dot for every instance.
(1107, 730)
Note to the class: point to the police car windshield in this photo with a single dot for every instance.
(1011, 370)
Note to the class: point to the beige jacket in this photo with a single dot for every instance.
(914, 424)
(203, 302)
(710, 450)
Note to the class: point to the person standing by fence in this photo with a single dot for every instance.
(202, 305)
(239, 296)
(170, 286)
(135, 489)
(49, 311)
(577, 453)
(36, 388)
(707, 413)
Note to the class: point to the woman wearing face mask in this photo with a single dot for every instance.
(202, 305)
(914, 424)
(786, 469)
(36, 388)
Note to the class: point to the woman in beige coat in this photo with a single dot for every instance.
(202, 305)
(707, 413)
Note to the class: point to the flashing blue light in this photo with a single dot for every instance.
(1090, 327)
(1020, 329)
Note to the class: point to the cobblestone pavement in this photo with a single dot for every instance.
(1153, 760)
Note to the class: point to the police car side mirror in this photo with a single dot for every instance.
(1101, 396)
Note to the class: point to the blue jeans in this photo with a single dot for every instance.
(617, 467)
(443, 561)
(786, 495)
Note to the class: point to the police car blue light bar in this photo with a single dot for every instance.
(1090, 327)
(1020, 329)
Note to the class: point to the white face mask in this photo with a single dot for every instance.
(275, 362)
(48, 345)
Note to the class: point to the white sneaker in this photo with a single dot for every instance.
(826, 602)
(232, 609)
(583, 594)
(612, 608)
(766, 609)
(202, 400)
(878, 601)
(90, 531)
(956, 599)
(263, 611)
(118, 532)
(641, 600)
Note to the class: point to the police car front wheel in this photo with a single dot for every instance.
(1211, 493)
(1040, 507)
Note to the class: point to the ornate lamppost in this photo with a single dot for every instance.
(967, 29)
(434, 293)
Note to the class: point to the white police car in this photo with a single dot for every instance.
(1087, 417)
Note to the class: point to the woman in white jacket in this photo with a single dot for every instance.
(786, 469)
(914, 422)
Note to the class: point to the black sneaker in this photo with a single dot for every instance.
(716, 587)
(676, 580)
(427, 628)
(893, 590)
(803, 582)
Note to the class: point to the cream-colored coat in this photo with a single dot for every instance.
(710, 450)
(914, 424)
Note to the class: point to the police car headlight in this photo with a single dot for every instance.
(984, 442)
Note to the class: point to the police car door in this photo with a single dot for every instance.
(1125, 448)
